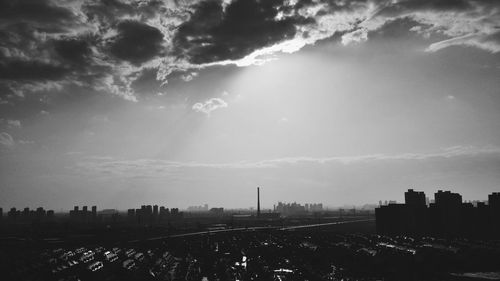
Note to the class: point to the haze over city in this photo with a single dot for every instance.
(181, 103)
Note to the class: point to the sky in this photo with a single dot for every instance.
(121, 103)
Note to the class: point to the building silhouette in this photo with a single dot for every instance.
(446, 213)
(258, 201)
(415, 198)
(28, 215)
(83, 216)
(446, 216)
(494, 212)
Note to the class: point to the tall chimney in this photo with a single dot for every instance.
(258, 201)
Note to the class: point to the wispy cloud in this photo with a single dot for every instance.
(209, 105)
(357, 36)
(10, 123)
(6, 140)
(161, 168)
(483, 41)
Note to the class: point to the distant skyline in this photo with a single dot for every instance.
(120, 103)
(201, 206)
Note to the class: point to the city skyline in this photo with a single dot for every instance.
(118, 103)
(205, 207)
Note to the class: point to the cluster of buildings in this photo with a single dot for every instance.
(149, 214)
(218, 211)
(447, 216)
(84, 215)
(39, 214)
(27, 215)
(203, 208)
(296, 208)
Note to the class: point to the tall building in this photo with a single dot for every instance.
(94, 213)
(131, 215)
(445, 212)
(494, 208)
(414, 198)
(494, 200)
(447, 198)
(13, 213)
(26, 213)
(416, 212)
(258, 201)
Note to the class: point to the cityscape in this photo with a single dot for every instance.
(249, 140)
(426, 239)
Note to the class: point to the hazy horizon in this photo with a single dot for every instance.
(180, 103)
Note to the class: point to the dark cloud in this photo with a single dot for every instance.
(74, 44)
(31, 70)
(108, 12)
(136, 42)
(214, 34)
(20, 39)
(40, 11)
(73, 50)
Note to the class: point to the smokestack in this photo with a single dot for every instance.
(258, 201)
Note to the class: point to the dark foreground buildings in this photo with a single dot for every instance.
(448, 216)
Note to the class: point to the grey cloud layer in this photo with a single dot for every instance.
(107, 45)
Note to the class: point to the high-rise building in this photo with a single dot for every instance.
(445, 212)
(494, 200)
(447, 198)
(494, 208)
(131, 215)
(26, 212)
(155, 211)
(258, 201)
(13, 213)
(415, 198)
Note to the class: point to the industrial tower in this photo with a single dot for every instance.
(258, 201)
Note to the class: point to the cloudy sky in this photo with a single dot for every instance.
(122, 103)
